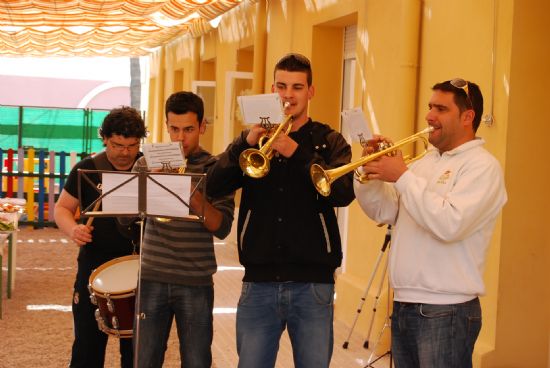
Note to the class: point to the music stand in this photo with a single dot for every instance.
(124, 187)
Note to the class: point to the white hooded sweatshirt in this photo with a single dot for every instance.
(443, 211)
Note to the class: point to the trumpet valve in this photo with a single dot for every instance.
(385, 145)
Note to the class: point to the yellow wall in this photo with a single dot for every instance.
(523, 308)
(403, 48)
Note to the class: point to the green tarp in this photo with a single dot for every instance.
(52, 129)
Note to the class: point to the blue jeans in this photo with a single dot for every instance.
(266, 309)
(192, 306)
(429, 335)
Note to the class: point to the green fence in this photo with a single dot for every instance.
(52, 129)
(51, 134)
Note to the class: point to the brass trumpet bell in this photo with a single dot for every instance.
(322, 179)
(254, 163)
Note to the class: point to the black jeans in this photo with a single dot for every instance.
(89, 342)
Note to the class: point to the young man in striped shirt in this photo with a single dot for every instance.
(178, 258)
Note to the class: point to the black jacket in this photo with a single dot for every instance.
(286, 230)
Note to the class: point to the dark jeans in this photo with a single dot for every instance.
(89, 342)
(192, 306)
(433, 336)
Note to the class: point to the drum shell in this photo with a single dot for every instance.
(115, 312)
(123, 310)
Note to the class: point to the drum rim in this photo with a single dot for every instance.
(120, 293)
(115, 295)
(116, 333)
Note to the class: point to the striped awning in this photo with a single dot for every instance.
(101, 27)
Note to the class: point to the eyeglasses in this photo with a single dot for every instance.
(463, 85)
(120, 147)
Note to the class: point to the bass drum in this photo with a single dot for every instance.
(112, 288)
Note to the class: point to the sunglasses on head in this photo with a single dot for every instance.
(463, 85)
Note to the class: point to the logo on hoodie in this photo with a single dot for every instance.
(444, 177)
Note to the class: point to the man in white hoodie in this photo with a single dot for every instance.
(443, 208)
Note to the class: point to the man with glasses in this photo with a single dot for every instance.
(288, 237)
(443, 208)
(103, 240)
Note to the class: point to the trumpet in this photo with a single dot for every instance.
(167, 168)
(322, 179)
(256, 162)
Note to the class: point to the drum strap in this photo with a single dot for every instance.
(101, 162)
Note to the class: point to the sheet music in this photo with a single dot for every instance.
(158, 153)
(357, 125)
(256, 108)
(160, 202)
(124, 199)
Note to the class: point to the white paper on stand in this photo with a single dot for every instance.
(357, 125)
(157, 154)
(122, 200)
(160, 202)
(255, 108)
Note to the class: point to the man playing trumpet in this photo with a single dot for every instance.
(178, 258)
(443, 208)
(288, 238)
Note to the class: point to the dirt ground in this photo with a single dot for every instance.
(46, 268)
(33, 336)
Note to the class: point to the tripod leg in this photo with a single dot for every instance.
(363, 298)
(377, 359)
(370, 361)
(375, 304)
(386, 325)
(387, 240)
